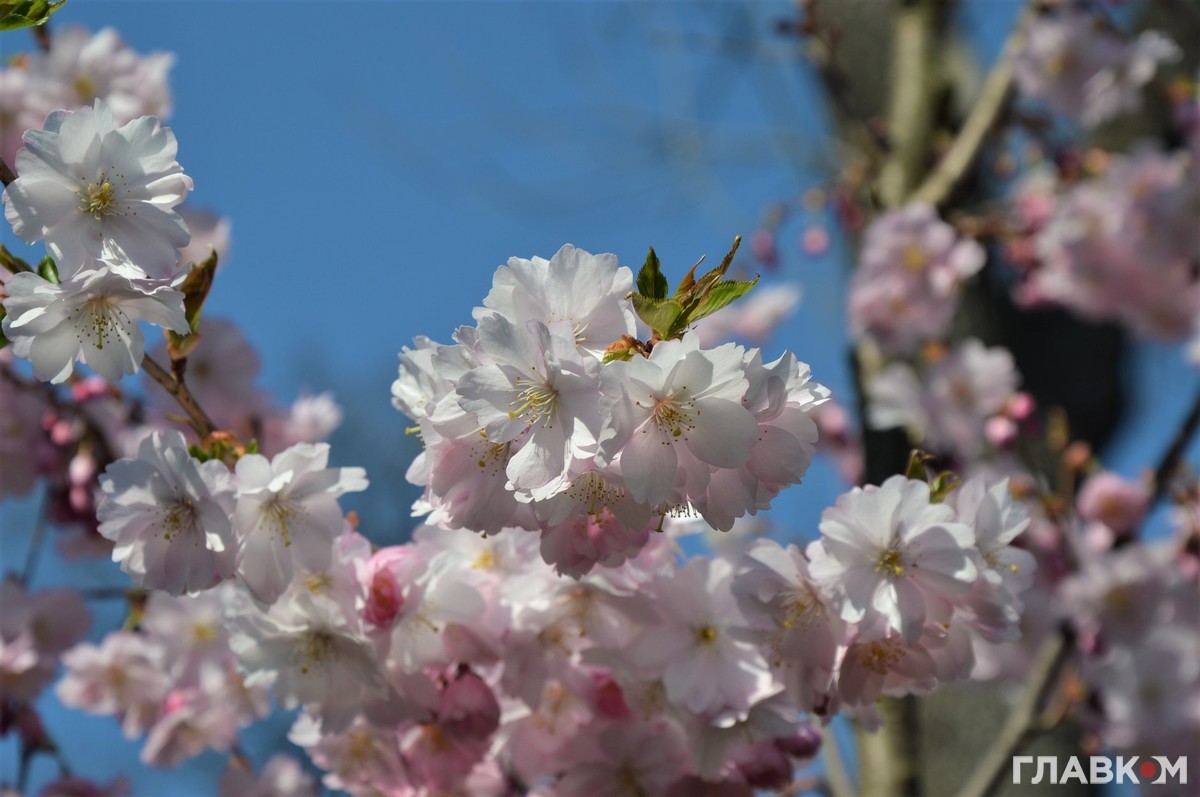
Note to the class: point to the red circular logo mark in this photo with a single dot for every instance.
(1148, 769)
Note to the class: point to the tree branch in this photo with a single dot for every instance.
(913, 98)
(177, 388)
(6, 174)
(1171, 458)
(835, 765)
(993, 99)
(1021, 723)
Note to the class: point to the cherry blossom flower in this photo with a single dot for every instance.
(948, 405)
(1121, 246)
(125, 675)
(311, 653)
(536, 385)
(706, 668)
(577, 295)
(168, 514)
(35, 629)
(627, 757)
(1081, 68)
(801, 623)
(92, 189)
(910, 272)
(81, 67)
(92, 316)
(673, 416)
(287, 514)
(898, 558)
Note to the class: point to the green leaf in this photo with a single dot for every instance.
(689, 279)
(650, 280)
(26, 13)
(47, 270)
(661, 315)
(12, 263)
(3, 340)
(196, 287)
(721, 295)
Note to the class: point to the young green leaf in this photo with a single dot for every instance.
(26, 13)
(12, 263)
(721, 295)
(663, 316)
(47, 270)
(650, 280)
(195, 289)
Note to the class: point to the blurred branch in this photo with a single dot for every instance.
(913, 102)
(993, 99)
(35, 543)
(1171, 458)
(835, 766)
(1022, 723)
(888, 757)
(179, 389)
(6, 174)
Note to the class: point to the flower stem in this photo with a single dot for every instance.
(179, 389)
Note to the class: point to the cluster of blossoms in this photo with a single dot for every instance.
(462, 663)
(102, 197)
(543, 633)
(910, 274)
(1080, 67)
(959, 403)
(1120, 245)
(526, 426)
(76, 69)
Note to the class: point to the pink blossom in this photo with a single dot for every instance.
(910, 272)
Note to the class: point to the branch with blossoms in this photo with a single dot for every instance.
(543, 633)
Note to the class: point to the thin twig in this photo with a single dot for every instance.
(6, 174)
(993, 99)
(1171, 458)
(179, 389)
(35, 543)
(1021, 723)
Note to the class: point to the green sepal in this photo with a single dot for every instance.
(650, 280)
(3, 340)
(12, 263)
(252, 447)
(942, 485)
(198, 453)
(16, 14)
(47, 270)
(916, 465)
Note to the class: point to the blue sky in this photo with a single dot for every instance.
(380, 159)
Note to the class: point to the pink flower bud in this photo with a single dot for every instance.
(1116, 502)
(1000, 431)
(468, 708)
(814, 240)
(763, 765)
(610, 700)
(762, 245)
